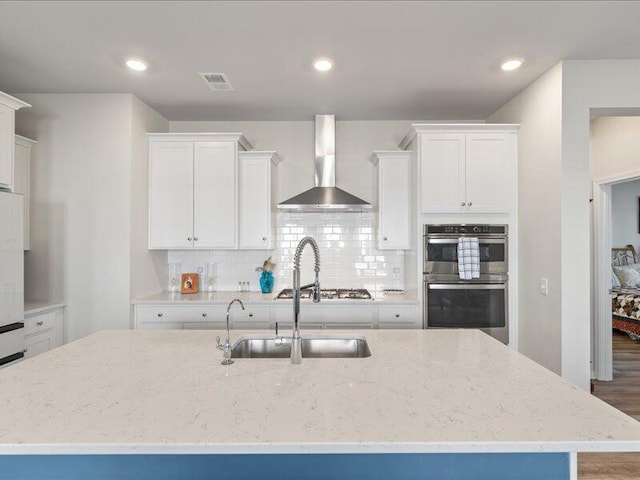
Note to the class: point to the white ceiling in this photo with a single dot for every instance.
(393, 60)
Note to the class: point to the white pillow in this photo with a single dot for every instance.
(629, 276)
(615, 281)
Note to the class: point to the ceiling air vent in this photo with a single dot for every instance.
(218, 82)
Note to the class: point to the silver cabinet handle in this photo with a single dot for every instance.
(251, 314)
(397, 315)
(384, 238)
(463, 204)
(195, 238)
(189, 238)
(204, 314)
(264, 239)
(470, 203)
(159, 314)
(40, 323)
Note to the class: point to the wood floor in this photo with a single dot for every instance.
(624, 394)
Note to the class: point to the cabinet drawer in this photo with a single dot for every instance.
(252, 314)
(180, 314)
(403, 316)
(39, 323)
(314, 313)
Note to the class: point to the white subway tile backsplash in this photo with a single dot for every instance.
(349, 258)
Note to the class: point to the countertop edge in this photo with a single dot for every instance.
(318, 448)
(260, 299)
(41, 307)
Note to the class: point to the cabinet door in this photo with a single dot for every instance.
(488, 167)
(7, 116)
(215, 195)
(393, 197)
(39, 343)
(255, 203)
(21, 183)
(442, 180)
(171, 195)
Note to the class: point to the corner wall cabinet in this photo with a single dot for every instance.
(205, 193)
(22, 166)
(8, 107)
(258, 187)
(465, 168)
(393, 199)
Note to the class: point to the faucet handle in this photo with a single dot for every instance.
(219, 346)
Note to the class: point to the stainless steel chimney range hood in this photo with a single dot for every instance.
(325, 196)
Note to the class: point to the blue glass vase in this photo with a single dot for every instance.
(266, 282)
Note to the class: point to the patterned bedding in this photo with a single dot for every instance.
(625, 306)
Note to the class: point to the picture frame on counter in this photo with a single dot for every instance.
(189, 283)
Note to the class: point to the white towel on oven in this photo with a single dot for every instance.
(468, 258)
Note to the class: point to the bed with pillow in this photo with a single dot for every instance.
(625, 291)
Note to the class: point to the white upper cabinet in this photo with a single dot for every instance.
(393, 199)
(489, 162)
(215, 195)
(170, 194)
(8, 107)
(466, 168)
(22, 175)
(258, 187)
(442, 172)
(205, 193)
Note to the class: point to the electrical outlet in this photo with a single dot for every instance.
(543, 286)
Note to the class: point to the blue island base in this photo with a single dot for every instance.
(468, 466)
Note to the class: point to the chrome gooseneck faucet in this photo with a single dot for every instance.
(226, 346)
(296, 342)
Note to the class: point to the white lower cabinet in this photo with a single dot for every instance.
(42, 331)
(323, 316)
(168, 317)
(256, 317)
(399, 316)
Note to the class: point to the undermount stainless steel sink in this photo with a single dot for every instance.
(312, 347)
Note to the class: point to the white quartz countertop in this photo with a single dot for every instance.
(35, 307)
(269, 298)
(159, 391)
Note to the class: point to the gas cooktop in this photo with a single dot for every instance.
(329, 294)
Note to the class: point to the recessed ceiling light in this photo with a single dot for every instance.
(323, 64)
(136, 64)
(512, 64)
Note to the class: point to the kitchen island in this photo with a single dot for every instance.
(445, 404)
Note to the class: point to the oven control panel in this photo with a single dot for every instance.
(465, 229)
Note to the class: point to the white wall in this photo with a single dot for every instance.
(538, 110)
(80, 189)
(624, 214)
(148, 267)
(615, 146)
(295, 142)
(587, 85)
(89, 206)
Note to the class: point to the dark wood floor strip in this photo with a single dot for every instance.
(624, 394)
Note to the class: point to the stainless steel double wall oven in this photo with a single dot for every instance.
(450, 302)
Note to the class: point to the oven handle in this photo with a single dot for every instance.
(452, 241)
(467, 286)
